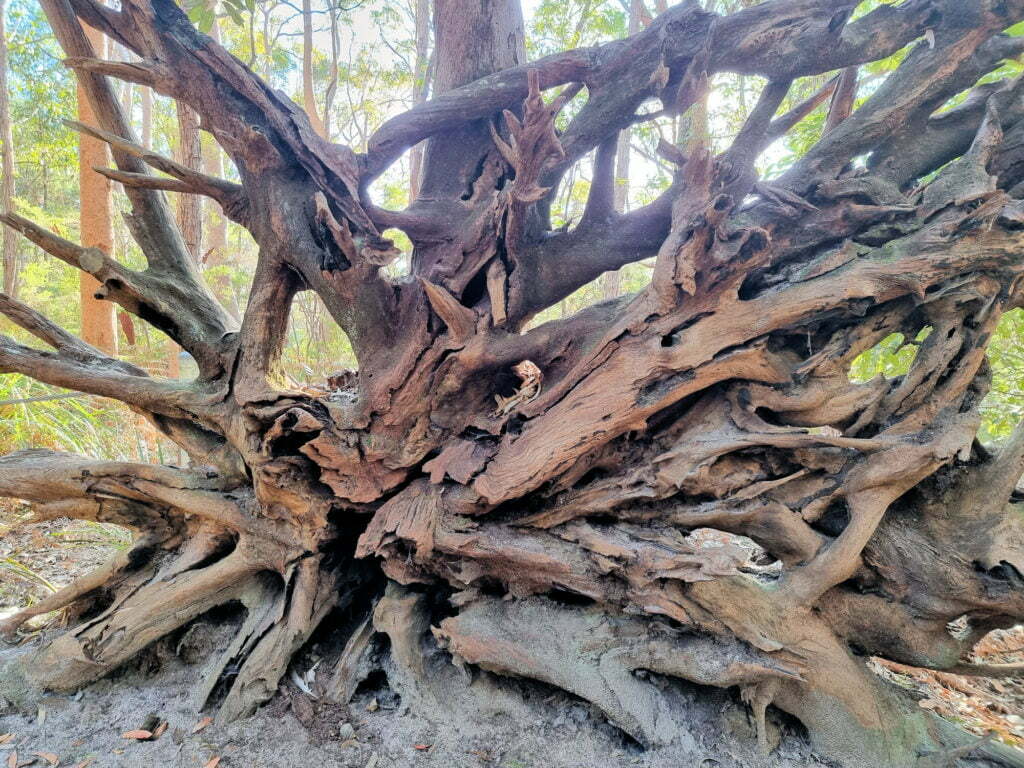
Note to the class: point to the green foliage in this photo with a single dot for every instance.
(33, 415)
(1003, 409)
(891, 357)
(42, 95)
(561, 24)
(201, 14)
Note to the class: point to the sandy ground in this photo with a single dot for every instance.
(560, 733)
(534, 727)
(35, 559)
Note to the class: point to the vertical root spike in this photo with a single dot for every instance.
(311, 597)
(350, 669)
(758, 697)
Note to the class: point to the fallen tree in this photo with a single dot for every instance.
(548, 480)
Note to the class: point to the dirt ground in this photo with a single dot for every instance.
(36, 559)
(549, 730)
(531, 727)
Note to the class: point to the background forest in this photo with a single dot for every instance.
(353, 64)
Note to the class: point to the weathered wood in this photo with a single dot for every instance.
(689, 466)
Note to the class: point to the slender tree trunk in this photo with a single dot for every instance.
(420, 88)
(190, 207)
(216, 221)
(334, 71)
(129, 99)
(612, 281)
(308, 96)
(146, 100)
(98, 320)
(10, 244)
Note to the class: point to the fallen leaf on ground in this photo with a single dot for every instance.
(12, 760)
(49, 757)
(202, 724)
(85, 763)
(214, 762)
(160, 730)
(139, 735)
(302, 685)
(422, 747)
(6, 737)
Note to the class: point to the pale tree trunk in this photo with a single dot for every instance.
(668, 492)
(308, 96)
(420, 88)
(146, 101)
(216, 227)
(612, 281)
(10, 244)
(334, 71)
(99, 326)
(190, 154)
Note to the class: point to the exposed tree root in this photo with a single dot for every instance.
(147, 613)
(682, 483)
(586, 653)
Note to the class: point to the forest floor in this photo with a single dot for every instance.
(550, 729)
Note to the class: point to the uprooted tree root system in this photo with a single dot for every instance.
(557, 536)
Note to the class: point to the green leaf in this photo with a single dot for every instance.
(202, 17)
(235, 15)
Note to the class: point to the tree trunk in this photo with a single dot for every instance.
(612, 281)
(190, 154)
(683, 481)
(216, 220)
(420, 88)
(334, 11)
(190, 208)
(308, 97)
(10, 244)
(98, 322)
(146, 100)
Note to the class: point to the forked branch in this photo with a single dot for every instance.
(230, 195)
(170, 302)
